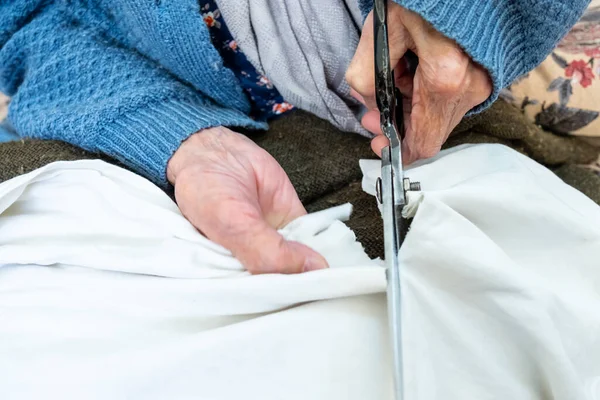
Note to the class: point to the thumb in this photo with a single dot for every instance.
(263, 250)
(240, 226)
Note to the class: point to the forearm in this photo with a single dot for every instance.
(73, 84)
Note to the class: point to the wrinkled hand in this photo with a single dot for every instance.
(446, 85)
(237, 195)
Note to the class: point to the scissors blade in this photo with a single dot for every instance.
(393, 236)
(392, 193)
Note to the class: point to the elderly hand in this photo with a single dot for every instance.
(446, 84)
(236, 194)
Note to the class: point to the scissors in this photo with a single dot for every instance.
(393, 186)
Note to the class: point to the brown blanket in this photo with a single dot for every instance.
(322, 162)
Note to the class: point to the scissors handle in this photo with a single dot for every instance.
(385, 87)
(389, 98)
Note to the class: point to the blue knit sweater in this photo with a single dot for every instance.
(134, 78)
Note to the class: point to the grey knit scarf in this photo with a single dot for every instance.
(304, 47)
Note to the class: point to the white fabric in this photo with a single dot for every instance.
(106, 292)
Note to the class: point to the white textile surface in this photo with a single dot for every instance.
(106, 292)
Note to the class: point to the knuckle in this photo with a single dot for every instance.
(487, 85)
(450, 73)
(481, 84)
(446, 83)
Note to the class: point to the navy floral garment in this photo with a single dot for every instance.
(266, 101)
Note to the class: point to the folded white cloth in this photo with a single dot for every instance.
(106, 291)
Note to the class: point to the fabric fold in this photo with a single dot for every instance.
(106, 291)
(309, 62)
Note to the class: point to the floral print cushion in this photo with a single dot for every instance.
(563, 94)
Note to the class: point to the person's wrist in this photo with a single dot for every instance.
(188, 152)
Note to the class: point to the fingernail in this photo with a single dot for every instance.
(314, 263)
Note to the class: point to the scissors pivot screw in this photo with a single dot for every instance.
(411, 186)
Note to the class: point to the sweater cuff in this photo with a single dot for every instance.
(487, 32)
(146, 138)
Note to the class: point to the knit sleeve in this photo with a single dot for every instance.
(71, 83)
(507, 37)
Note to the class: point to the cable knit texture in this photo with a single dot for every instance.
(135, 78)
(131, 79)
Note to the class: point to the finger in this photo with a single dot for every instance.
(371, 121)
(378, 143)
(445, 89)
(274, 205)
(404, 80)
(439, 96)
(429, 120)
(446, 85)
(261, 249)
(361, 72)
(479, 86)
(239, 226)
